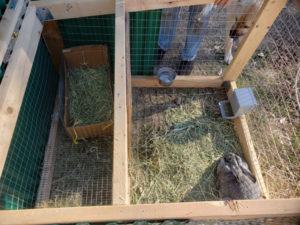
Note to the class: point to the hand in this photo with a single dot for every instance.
(223, 3)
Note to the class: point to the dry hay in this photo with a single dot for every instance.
(90, 96)
(177, 150)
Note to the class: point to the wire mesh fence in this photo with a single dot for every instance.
(273, 73)
(192, 40)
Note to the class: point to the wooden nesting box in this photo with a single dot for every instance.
(90, 56)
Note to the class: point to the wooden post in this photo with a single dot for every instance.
(15, 79)
(264, 20)
(7, 26)
(244, 135)
(120, 193)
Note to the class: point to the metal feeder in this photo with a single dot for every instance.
(241, 102)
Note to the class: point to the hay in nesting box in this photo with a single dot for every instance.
(177, 161)
(90, 96)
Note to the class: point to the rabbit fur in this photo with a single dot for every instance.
(234, 179)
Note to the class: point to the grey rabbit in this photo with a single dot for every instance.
(234, 179)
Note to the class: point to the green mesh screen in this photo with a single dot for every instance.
(21, 174)
(89, 31)
(144, 29)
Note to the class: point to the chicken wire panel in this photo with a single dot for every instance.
(82, 173)
(21, 174)
(191, 40)
(178, 137)
(274, 74)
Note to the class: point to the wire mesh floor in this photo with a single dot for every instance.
(178, 136)
(83, 173)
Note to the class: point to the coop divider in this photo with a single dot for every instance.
(121, 190)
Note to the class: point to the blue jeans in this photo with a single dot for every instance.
(197, 25)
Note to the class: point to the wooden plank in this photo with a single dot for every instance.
(244, 135)
(264, 20)
(120, 192)
(64, 9)
(7, 26)
(180, 82)
(15, 79)
(210, 210)
(54, 42)
(138, 5)
(128, 85)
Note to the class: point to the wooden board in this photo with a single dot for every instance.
(243, 132)
(210, 210)
(180, 82)
(64, 9)
(15, 79)
(54, 42)
(264, 20)
(121, 191)
(7, 26)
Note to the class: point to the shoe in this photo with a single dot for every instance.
(185, 67)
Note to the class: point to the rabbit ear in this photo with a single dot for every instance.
(248, 174)
(236, 172)
(245, 169)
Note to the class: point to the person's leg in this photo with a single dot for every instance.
(168, 23)
(197, 26)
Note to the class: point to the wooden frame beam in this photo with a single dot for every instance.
(65, 9)
(243, 132)
(7, 26)
(179, 82)
(264, 20)
(15, 79)
(121, 190)
(211, 210)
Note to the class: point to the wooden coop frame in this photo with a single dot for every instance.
(15, 81)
